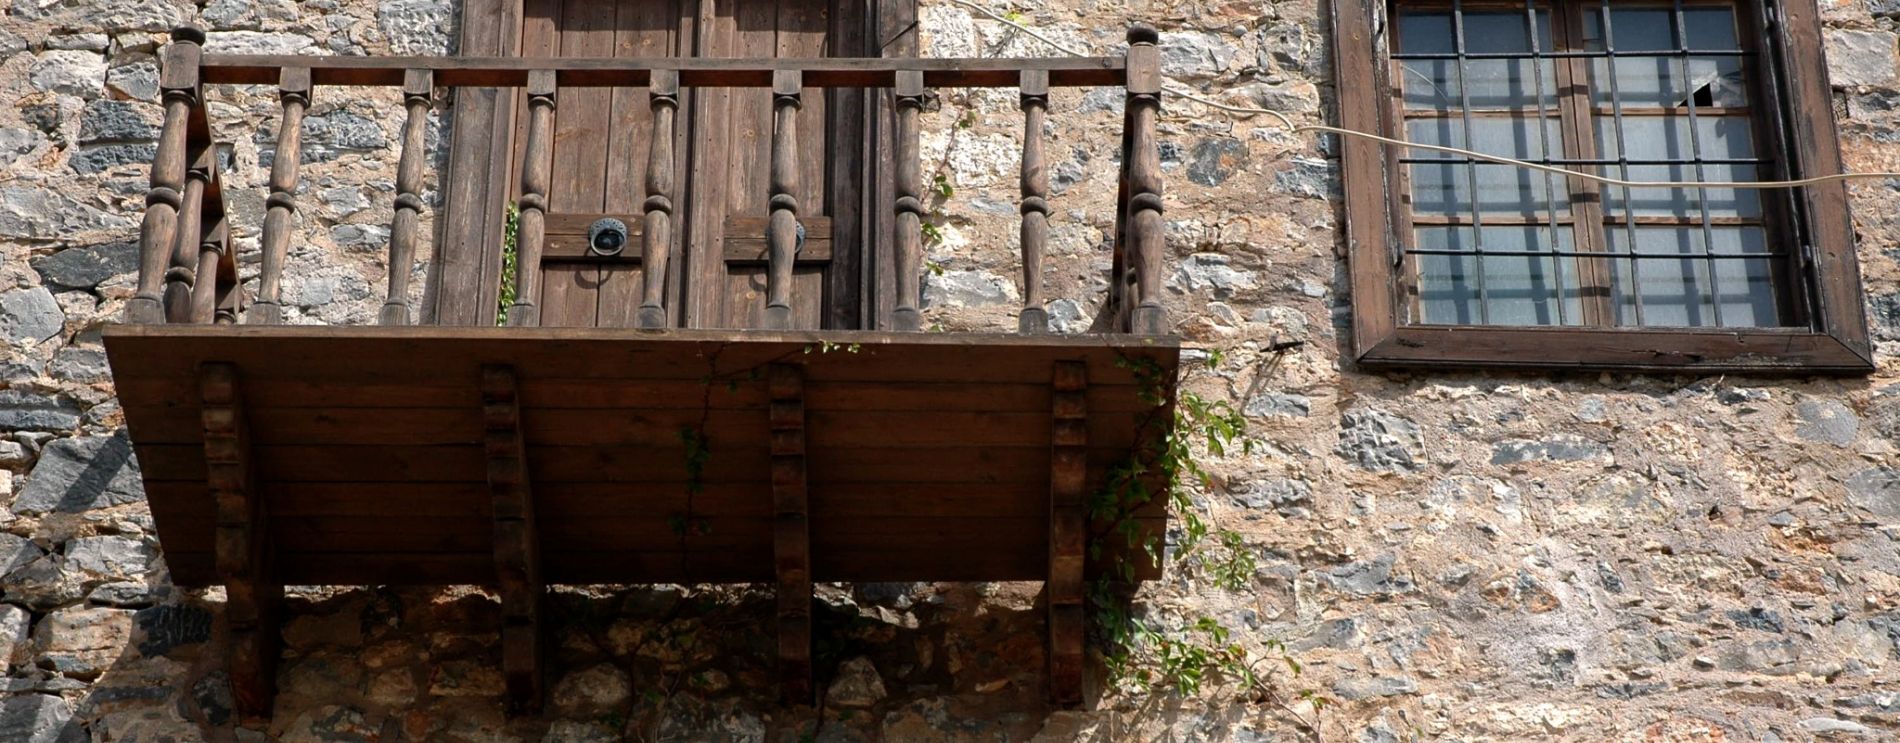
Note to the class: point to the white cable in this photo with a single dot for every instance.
(1287, 123)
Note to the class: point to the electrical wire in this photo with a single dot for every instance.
(1288, 124)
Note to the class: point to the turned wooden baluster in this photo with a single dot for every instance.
(1035, 187)
(781, 233)
(531, 225)
(1146, 233)
(190, 232)
(204, 293)
(159, 232)
(910, 206)
(417, 86)
(293, 91)
(663, 93)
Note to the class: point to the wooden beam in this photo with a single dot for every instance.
(243, 557)
(791, 536)
(517, 555)
(1068, 483)
(694, 72)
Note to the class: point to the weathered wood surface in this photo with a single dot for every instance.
(781, 232)
(371, 441)
(293, 91)
(791, 530)
(1035, 199)
(1146, 232)
(244, 556)
(1068, 530)
(417, 87)
(179, 86)
(695, 72)
(531, 229)
(909, 246)
(657, 238)
(515, 537)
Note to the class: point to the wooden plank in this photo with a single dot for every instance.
(839, 470)
(243, 557)
(1363, 176)
(656, 428)
(1068, 530)
(515, 537)
(695, 72)
(1754, 351)
(843, 174)
(791, 532)
(385, 354)
(660, 394)
(745, 239)
(702, 301)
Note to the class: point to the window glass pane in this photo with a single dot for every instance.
(1661, 82)
(1512, 289)
(1676, 291)
(1655, 138)
(1502, 189)
(1492, 83)
(1492, 135)
(1425, 32)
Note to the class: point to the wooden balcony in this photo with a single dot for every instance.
(662, 452)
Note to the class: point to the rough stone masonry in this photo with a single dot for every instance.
(1452, 556)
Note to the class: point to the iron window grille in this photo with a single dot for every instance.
(1457, 261)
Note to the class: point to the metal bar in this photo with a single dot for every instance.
(1471, 172)
(1578, 54)
(1583, 161)
(1622, 153)
(1695, 153)
(1579, 253)
(1543, 135)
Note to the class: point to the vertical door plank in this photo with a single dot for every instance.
(704, 259)
(644, 29)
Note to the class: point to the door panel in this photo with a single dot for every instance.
(736, 160)
(602, 137)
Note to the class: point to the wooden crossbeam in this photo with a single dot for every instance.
(243, 556)
(791, 536)
(517, 555)
(1068, 482)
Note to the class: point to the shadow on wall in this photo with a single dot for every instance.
(894, 662)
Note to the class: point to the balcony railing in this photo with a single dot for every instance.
(187, 270)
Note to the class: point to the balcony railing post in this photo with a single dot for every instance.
(909, 205)
(782, 231)
(1035, 206)
(531, 227)
(417, 87)
(183, 273)
(657, 238)
(1147, 234)
(204, 293)
(158, 232)
(293, 91)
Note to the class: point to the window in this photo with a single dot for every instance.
(1459, 261)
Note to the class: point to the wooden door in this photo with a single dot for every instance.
(602, 137)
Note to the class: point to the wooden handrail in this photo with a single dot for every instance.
(694, 72)
(185, 237)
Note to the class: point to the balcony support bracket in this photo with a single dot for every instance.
(517, 555)
(791, 536)
(1068, 483)
(242, 550)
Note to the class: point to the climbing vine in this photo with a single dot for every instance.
(1142, 654)
(509, 252)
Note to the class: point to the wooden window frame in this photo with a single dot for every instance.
(1833, 340)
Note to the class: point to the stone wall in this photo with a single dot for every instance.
(1452, 556)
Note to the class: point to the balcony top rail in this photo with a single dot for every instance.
(185, 234)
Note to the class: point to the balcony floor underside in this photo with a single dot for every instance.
(928, 456)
